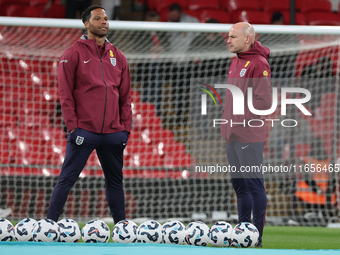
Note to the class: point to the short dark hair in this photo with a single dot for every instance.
(175, 7)
(85, 16)
(277, 16)
(212, 21)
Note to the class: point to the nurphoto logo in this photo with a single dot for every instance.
(239, 102)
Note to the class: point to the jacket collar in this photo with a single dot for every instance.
(257, 49)
(90, 42)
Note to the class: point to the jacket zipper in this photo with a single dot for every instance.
(101, 67)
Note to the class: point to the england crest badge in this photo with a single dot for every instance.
(79, 140)
(243, 72)
(113, 61)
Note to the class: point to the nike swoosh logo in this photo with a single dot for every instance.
(243, 147)
(124, 144)
(86, 61)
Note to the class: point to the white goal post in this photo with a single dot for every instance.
(175, 163)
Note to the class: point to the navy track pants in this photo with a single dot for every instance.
(249, 186)
(109, 148)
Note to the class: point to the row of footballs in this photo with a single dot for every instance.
(196, 233)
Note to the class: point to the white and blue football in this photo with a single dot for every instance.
(220, 234)
(6, 230)
(245, 235)
(197, 233)
(173, 232)
(150, 232)
(46, 230)
(125, 231)
(24, 230)
(69, 231)
(95, 231)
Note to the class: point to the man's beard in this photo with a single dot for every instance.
(96, 31)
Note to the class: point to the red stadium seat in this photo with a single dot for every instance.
(240, 5)
(8, 120)
(253, 17)
(220, 16)
(93, 159)
(327, 106)
(316, 6)
(141, 122)
(299, 18)
(203, 4)
(146, 109)
(322, 18)
(298, 5)
(19, 10)
(36, 2)
(223, 4)
(9, 106)
(22, 2)
(56, 11)
(273, 6)
(155, 136)
(179, 160)
(35, 122)
(135, 97)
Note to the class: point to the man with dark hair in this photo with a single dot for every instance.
(94, 90)
(277, 19)
(176, 15)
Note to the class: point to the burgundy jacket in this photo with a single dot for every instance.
(95, 91)
(249, 69)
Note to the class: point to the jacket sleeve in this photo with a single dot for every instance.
(66, 84)
(125, 111)
(262, 92)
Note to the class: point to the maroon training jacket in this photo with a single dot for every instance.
(95, 91)
(249, 69)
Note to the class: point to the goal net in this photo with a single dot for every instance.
(175, 165)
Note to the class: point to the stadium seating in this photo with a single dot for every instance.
(251, 16)
(273, 6)
(20, 10)
(315, 6)
(219, 15)
(322, 18)
(56, 11)
(299, 18)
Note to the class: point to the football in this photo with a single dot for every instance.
(149, 232)
(220, 234)
(6, 230)
(95, 231)
(245, 235)
(24, 230)
(173, 232)
(197, 233)
(46, 230)
(69, 231)
(125, 231)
